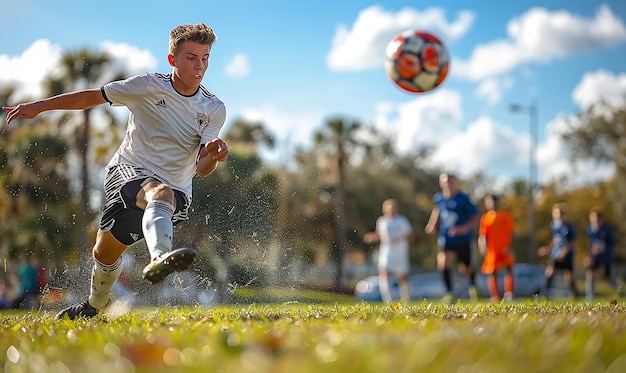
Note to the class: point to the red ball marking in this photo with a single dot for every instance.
(408, 65)
(407, 86)
(428, 37)
(442, 75)
(430, 57)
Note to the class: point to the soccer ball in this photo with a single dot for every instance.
(416, 61)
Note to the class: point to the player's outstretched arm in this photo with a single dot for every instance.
(78, 100)
(211, 153)
(431, 226)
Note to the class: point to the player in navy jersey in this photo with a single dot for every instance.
(457, 217)
(601, 244)
(172, 135)
(561, 248)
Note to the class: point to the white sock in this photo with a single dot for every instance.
(158, 228)
(103, 278)
(383, 285)
(404, 291)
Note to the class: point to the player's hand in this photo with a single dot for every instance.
(542, 251)
(370, 237)
(26, 111)
(596, 249)
(216, 149)
(457, 231)
(210, 155)
(429, 229)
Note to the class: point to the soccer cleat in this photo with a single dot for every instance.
(447, 299)
(166, 263)
(82, 310)
(494, 299)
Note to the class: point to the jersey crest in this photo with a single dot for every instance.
(201, 120)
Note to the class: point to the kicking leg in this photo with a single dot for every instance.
(157, 201)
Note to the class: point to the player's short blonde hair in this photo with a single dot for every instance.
(199, 33)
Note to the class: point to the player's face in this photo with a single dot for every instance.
(390, 209)
(489, 203)
(558, 215)
(190, 63)
(448, 183)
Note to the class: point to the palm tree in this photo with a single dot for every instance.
(336, 141)
(82, 69)
(246, 132)
(36, 214)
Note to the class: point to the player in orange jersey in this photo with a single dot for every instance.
(495, 235)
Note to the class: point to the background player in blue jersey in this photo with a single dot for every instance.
(561, 248)
(601, 244)
(457, 217)
(172, 135)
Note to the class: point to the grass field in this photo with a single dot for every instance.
(342, 336)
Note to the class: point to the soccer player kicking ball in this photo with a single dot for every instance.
(495, 234)
(171, 136)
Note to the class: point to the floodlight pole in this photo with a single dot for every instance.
(533, 115)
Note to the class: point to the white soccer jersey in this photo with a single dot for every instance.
(165, 128)
(393, 253)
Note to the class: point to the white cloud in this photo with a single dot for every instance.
(491, 89)
(238, 67)
(26, 71)
(485, 146)
(363, 46)
(436, 120)
(128, 59)
(600, 86)
(290, 130)
(540, 36)
(425, 120)
(554, 158)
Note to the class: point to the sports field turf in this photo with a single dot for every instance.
(342, 337)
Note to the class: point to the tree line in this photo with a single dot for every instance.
(257, 218)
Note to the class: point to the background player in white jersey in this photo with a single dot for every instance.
(172, 135)
(394, 232)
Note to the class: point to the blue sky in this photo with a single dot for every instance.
(294, 64)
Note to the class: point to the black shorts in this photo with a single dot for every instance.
(121, 216)
(463, 252)
(598, 261)
(566, 264)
